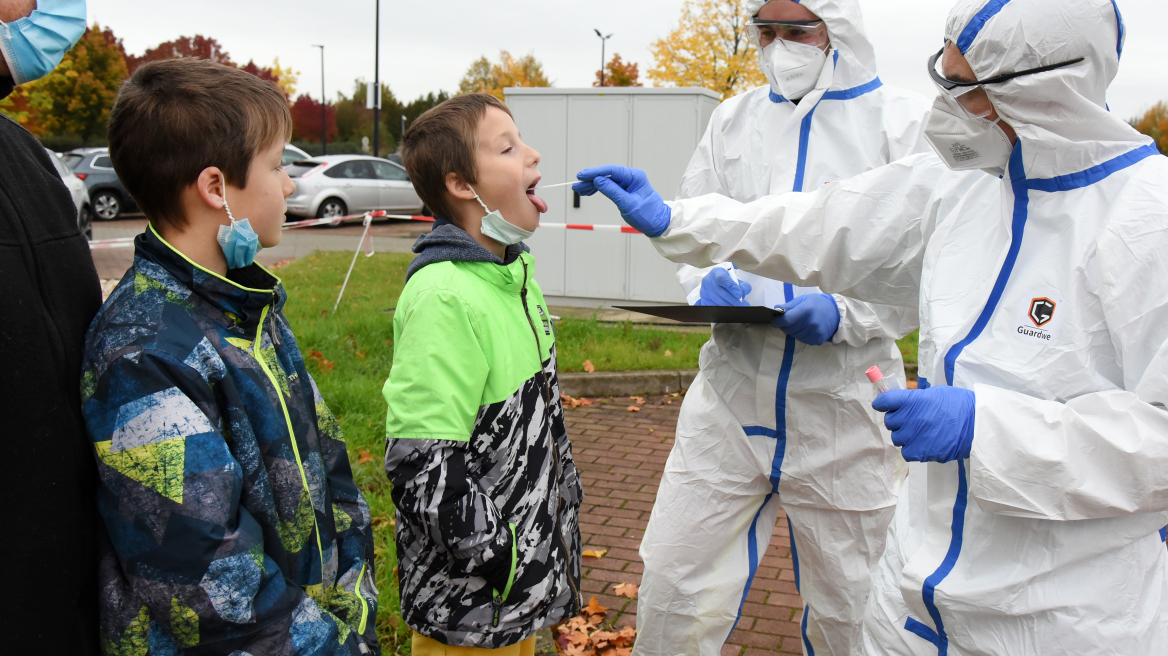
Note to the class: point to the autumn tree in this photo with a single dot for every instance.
(709, 48)
(79, 93)
(485, 77)
(619, 74)
(198, 47)
(285, 77)
(1154, 123)
(306, 120)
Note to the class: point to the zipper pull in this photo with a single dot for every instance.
(496, 605)
(274, 331)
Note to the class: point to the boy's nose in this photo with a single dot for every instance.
(535, 156)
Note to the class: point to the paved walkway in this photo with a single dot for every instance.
(621, 455)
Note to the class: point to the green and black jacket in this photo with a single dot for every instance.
(486, 491)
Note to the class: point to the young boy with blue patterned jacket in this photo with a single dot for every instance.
(231, 520)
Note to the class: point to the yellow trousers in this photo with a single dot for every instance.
(423, 646)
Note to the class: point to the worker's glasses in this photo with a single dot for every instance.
(970, 96)
(766, 31)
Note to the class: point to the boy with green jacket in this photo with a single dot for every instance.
(483, 479)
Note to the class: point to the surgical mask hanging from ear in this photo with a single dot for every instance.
(968, 143)
(239, 242)
(498, 228)
(792, 69)
(35, 44)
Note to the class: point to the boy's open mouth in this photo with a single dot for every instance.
(540, 204)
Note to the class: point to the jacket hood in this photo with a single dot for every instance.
(241, 296)
(1061, 116)
(447, 242)
(855, 59)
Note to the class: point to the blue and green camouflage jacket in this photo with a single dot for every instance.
(231, 520)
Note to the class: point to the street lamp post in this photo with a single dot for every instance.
(603, 41)
(376, 77)
(403, 132)
(323, 107)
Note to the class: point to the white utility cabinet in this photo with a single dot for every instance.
(654, 129)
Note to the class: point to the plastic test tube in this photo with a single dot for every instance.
(883, 384)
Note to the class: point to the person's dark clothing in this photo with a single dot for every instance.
(49, 292)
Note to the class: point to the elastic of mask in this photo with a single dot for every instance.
(498, 228)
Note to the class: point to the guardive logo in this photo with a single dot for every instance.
(1040, 314)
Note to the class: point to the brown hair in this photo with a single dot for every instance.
(442, 141)
(176, 117)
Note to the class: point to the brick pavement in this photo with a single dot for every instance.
(620, 455)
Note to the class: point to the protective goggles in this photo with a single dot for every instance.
(970, 96)
(810, 32)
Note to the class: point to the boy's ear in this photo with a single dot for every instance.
(209, 186)
(458, 187)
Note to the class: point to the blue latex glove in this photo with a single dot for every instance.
(718, 288)
(931, 425)
(811, 318)
(638, 203)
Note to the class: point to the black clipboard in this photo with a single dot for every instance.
(708, 313)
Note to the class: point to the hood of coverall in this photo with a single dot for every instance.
(845, 27)
(1060, 116)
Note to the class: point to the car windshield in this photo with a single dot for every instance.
(297, 169)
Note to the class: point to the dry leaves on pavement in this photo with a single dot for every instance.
(598, 553)
(575, 402)
(626, 590)
(633, 408)
(583, 635)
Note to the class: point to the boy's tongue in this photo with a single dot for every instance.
(540, 204)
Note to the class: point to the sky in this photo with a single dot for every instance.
(428, 45)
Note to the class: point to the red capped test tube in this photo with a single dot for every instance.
(883, 384)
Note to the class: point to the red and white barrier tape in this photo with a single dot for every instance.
(128, 242)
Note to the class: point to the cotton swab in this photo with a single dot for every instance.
(563, 184)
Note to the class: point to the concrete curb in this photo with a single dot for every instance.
(642, 383)
(626, 383)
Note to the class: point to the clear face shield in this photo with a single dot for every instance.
(765, 32)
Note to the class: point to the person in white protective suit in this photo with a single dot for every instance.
(1031, 519)
(770, 420)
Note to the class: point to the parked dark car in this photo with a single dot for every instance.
(107, 195)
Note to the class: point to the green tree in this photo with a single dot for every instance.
(485, 77)
(1154, 123)
(77, 96)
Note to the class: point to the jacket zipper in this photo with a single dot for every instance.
(288, 419)
(501, 597)
(551, 436)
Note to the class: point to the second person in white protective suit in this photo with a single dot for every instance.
(776, 418)
(1031, 519)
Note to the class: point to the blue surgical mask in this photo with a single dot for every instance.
(35, 44)
(500, 229)
(239, 242)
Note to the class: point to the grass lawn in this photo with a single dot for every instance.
(350, 353)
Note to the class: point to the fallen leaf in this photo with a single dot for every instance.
(593, 608)
(584, 402)
(589, 367)
(594, 554)
(565, 398)
(364, 457)
(626, 590)
(325, 365)
(668, 353)
(639, 399)
(650, 430)
(360, 355)
(380, 522)
(633, 408)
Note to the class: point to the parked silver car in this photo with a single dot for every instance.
(78, 191)
(331, 186)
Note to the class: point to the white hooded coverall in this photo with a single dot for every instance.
(769, 419)
(1046, 293)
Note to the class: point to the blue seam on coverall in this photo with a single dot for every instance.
(1122, 30)
(978, 22)
(798, 588)
(753, 558)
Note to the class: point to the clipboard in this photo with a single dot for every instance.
(708, 313)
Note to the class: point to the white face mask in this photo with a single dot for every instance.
(500, 229)
(792, 69)
(967, 143)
